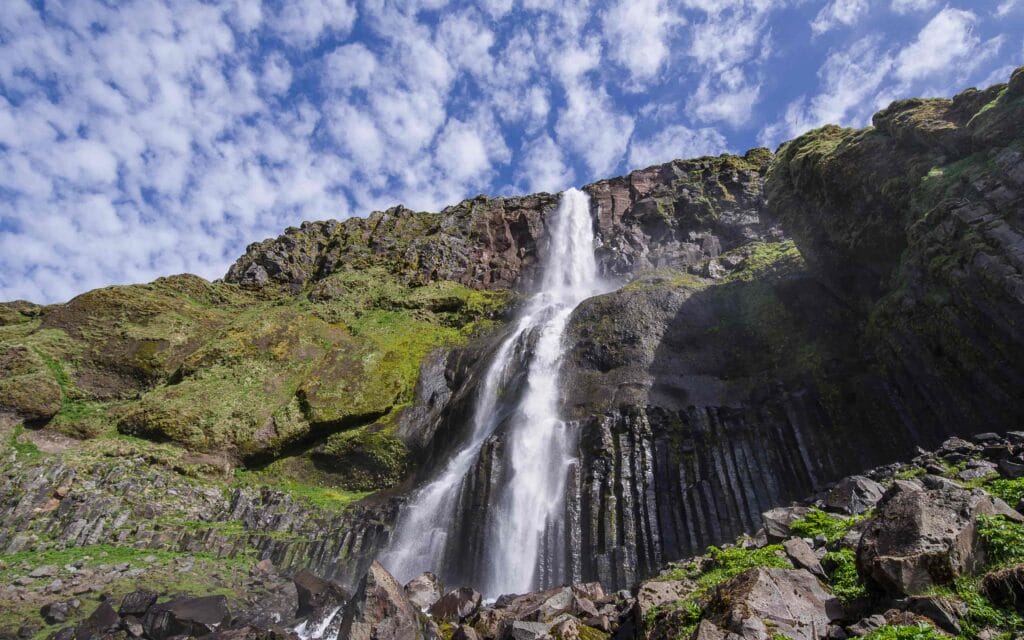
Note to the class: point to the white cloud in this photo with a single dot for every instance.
(350, 66)
(910, 6)
(948, 39)
(147, 136)
(591, 126)
(676, 141)
(301, 24)
(467, 43)
(543, 167)
(727, 97)
(277, 75)
(838, 13)
(637, 33)
(1007, 7)
(850, 80)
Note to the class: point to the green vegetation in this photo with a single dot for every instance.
(317, 491)
(761, 258)
(818, 523)
(728, 563)
(1009, 490)
(905, 632)
(23, 451)
(841, 567)
(665, 278)
(1003, 539)
(982, 613)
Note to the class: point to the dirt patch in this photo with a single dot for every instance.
(50, 442)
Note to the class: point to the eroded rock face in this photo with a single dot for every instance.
(379, 610)
(925, 535)
(760, 603)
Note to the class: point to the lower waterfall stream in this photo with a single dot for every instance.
(538, 448)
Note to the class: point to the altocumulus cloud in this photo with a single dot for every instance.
(150, 137)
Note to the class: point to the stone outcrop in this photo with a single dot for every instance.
(760, 603)
(925, 535)
(379, 610)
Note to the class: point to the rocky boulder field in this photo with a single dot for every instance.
(923, 550)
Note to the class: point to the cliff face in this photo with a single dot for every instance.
(738, 370)
(783, 320)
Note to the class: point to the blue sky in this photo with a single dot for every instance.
(140, 139)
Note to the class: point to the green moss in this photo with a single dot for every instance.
(665, 278)
(371, 457)
(760, 258)
(905, 632)
(311, 489)
(819, 523)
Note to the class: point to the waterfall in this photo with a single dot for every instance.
(539, 447)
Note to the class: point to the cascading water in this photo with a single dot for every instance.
(538, 445)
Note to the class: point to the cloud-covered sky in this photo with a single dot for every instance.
(144, 138)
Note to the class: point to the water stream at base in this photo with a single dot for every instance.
(539, 446)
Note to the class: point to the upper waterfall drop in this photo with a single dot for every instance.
(539, 447)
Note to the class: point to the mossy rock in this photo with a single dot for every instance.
(27, 386)
(368, 458)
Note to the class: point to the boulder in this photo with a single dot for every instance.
(463, 632)
(456, 605)
(102, 620)
(778, 520)
(315, 593)
(137, 603)
(655, 593)
(925, 535)
(866, 625)
(424, 590)
(547, 604)
(1005, 587)
(944, 612)
(802, 556)
(56, 612)
(487, 622)
(379, 610)
(854, 495)
(523, 630)
(184, 616)
(761, 603)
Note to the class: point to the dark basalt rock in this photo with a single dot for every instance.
(316, 594)
(854, 495)
(186, 616)
(137, 603)
(1006, 587)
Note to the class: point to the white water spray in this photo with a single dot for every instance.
(539, 444)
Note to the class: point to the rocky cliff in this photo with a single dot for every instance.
(781, 320)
